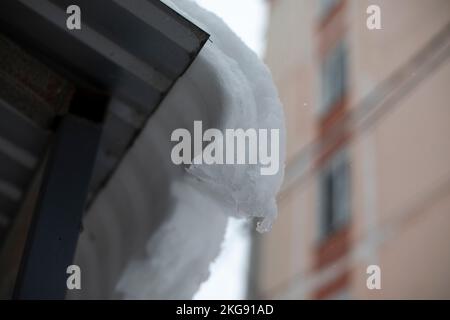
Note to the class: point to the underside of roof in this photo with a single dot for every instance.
(131, 51)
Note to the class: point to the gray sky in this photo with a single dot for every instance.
(247, 18)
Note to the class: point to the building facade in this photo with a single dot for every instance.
(368, 168)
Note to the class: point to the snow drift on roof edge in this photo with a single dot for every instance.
(248, 99)
(153, 231)
(232, 79)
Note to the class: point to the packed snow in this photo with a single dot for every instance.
(154, 230)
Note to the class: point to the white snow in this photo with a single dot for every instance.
(154, 230)
(248, 99)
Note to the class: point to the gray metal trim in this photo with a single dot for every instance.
(56, 224)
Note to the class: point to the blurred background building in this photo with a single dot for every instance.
(368, 172)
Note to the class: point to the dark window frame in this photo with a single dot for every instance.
(334, 195)
(333, 78)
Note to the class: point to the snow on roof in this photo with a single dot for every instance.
(153, 231)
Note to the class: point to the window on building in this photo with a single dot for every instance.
(333, 77)
(334, 195)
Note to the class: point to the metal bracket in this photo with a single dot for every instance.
(56, 223)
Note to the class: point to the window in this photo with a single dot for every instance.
(334, 77)
(334, 195)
